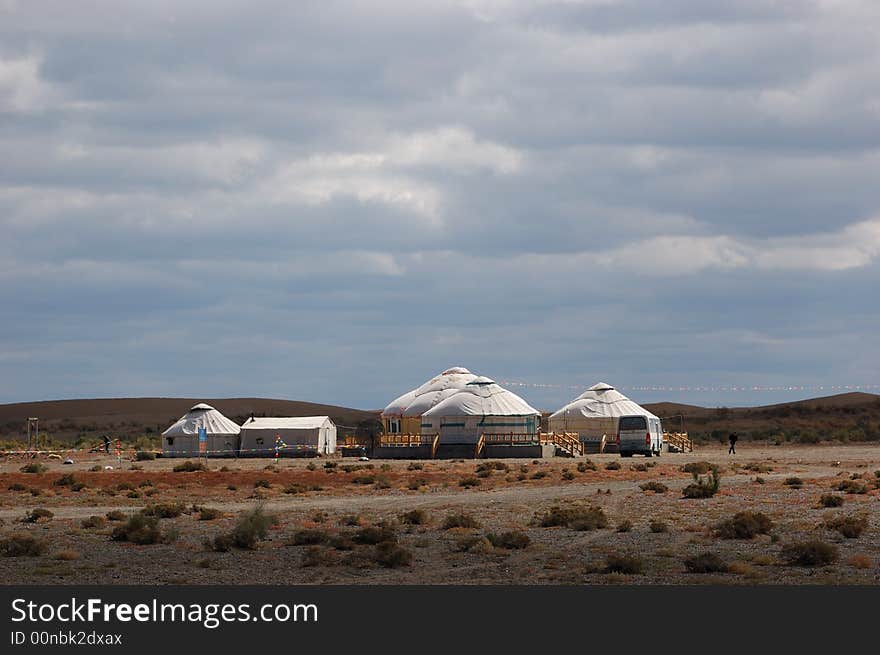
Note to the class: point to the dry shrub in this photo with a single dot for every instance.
(492, 466)
(794, 482)
(567, 475)
(469, 481)
(539, 475)
(744, 525)
(852, 487)
(639, 467)
(624, 526)
(414, 517)
(415, 466)
(144, 456)
(698, 468)
(417, 483)
(653, 485)
(860, 561)
(373, 534)
(705, 563)
(575, 516)
(850, 527)
(34, 467)
(66, 480)
(252, 526)
(317, 556)
(514, 540)
(620, 563)
(165, 510)
(587, 465)
(139, 529)
(22, 545)
(460, 520)
(658, 526)
(758, 467)
(363, 479)
(742, 568)
(612, 466)
(262, 483)
(308, 537)
(67, 555)
(830, 500)
(94, 522)
(474, 544)
(40, 514)
(16, 486)
(116, 515)
(809, 553)
(209, 513)
(189, 467)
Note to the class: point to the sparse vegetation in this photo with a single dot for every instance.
(744, 525)
(653, 485)
(850, 527)
(460, 520)
(809, 553)
(373, 534)
(705, 563)
(703, 486)
(513, 540)
(251, 527)
(574, 516)
(469, 481)
(165, 510)
(139, 529)
(308, 537)
(22, 545)
(189, 467)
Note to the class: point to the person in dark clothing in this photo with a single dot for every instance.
(106, 444)
(733, 437)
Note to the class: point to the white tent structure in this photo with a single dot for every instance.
(403, 414)
(594, 414)
(301, 435)
(182, 438)
(480, 408)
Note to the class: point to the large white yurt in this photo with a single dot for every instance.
(594, 414)
(182, 438)
(403, 415)
(482, 407)
(300, 435)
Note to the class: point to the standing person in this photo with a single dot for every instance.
(733, 437)
(106, 444)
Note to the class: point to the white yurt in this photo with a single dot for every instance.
(301, 435)
(403, 414)
(182, 438)
(594, 414)
(482, 407)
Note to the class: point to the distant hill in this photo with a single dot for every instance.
(69, 420)
(845, 417)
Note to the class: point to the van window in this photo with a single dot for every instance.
(632, 423)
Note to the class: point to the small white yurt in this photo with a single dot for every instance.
(594, 414)
(403, 415)
(299, 435)
(182, 438)
(480, 408)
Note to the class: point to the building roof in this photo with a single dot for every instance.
(285, 423)
(421, 399)
(202, 416)
(600, 401)
(482, 397)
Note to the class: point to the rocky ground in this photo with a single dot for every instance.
(331, 507)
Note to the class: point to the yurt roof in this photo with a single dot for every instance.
(285, 422)
(482, 397)
(202, 416)
(422, 398)
(601, 401)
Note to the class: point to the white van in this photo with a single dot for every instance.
(639, 434)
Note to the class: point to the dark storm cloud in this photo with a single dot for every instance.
(204, 199)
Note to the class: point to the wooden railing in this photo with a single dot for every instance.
(479, 448)
(512, 439)
(434, 446)
(569, 441)
(679, 440)
(406, 440)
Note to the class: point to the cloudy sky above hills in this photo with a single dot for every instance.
(332, 201)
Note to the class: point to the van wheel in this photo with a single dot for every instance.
(649, 453)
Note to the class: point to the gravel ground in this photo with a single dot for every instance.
(502, 502)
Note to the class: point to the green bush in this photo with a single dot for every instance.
(705, 563)
(703, 486)
(514, 540)
(631, 564)
(744, 525)
(809, 553)
(460, 520)
(22, 545)
(189, 467)
(850, 527)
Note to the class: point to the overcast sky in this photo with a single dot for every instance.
(333, 201)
